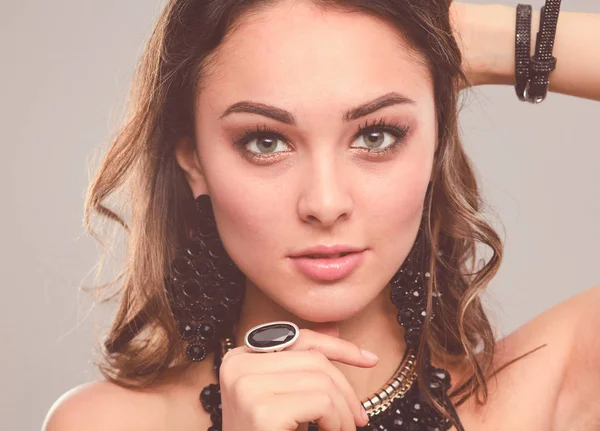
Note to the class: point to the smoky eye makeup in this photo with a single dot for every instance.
(377, 139)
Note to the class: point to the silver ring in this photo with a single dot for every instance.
(272, 336)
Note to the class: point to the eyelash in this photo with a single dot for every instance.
(382, 125)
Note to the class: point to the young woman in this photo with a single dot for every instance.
(299, 162)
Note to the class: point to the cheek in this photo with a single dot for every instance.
(399, 197)
(251, 211)
(243, 215)
(394, 210)
(250, 223)
(397, 214)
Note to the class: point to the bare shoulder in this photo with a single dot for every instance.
(569, 330)
(103, 405)
(540, 365)
(579, 408)
(559, 324)
(567, 364)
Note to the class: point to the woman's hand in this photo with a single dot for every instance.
(278, 391)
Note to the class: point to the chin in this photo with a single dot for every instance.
(327, 307)
(323, 315)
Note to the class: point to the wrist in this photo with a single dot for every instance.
(493, 58)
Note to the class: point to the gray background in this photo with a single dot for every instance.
(66, 66)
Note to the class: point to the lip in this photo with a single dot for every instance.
(329, 269)
(327, 249)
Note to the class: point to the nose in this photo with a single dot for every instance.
(325, 195)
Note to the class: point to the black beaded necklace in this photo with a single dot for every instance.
(411, 412)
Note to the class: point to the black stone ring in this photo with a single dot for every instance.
(272, 336)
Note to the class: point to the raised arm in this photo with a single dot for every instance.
(486, 34)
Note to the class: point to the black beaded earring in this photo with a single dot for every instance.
(409, 294)
(409, 291)
(205, 287)
(409, 285)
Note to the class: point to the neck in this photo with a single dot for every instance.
(374, 328)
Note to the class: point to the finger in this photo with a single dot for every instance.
(257, 386)
(286, 362)
(291, 410)
(336, 349)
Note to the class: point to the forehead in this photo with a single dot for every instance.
(295, 51)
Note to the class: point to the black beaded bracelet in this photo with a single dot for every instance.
(522, 49)
(542, 62)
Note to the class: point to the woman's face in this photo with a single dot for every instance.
(312, 178)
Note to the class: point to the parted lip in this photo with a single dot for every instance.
(327, 249)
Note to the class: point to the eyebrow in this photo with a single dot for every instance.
(286, 117)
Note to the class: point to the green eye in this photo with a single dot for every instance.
(375, 140)
(264, 142)
(267, 143)
(374, 136)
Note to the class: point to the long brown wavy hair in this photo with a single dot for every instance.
(139, 171)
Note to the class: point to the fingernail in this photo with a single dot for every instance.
(364, 414)
(369, 355)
